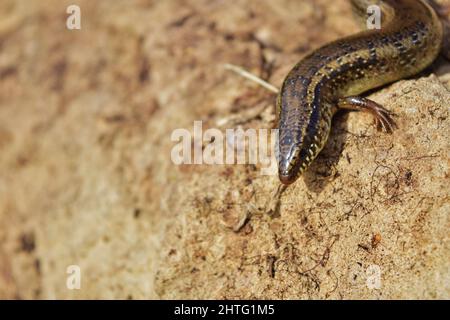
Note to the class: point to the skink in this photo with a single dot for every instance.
(333, 77)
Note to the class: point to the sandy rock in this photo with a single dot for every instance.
(86, 177)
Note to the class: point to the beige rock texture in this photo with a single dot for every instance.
(86, 176)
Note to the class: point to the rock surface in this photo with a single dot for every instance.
(86, 176)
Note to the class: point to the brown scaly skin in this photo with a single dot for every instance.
(333, 76)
